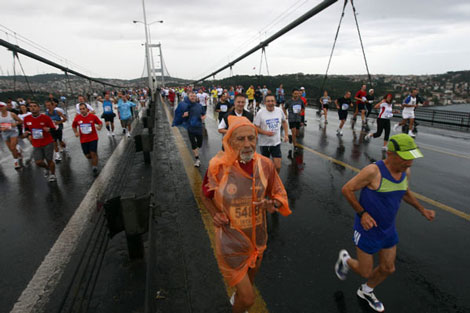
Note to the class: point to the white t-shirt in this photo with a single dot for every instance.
(409, 100)
(90, 108)
(386, 110)
(203, 98)
(270, 121)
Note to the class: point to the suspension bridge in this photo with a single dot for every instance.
(138, 238)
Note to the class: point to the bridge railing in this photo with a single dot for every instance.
(446, 119)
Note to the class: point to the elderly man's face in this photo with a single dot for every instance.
(243, 141)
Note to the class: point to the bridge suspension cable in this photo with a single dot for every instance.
(320, 7)
(16, 49)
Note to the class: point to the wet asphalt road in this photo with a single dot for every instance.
(297, 272)
(34, 212)
(432, 261)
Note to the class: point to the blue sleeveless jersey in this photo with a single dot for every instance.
(382, 204)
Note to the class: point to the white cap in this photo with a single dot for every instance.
(302, 88)
(3, 104)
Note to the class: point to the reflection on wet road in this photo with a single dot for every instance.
(34, 211)
(297, 272)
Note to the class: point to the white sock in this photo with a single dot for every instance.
(366, 288)
(345, 261)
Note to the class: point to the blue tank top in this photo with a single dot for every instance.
(107, 107)
(54, 116)
(382, 204)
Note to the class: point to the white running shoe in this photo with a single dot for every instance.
(20, 151)
(370, 297)
(197, 163)
(109, 134)
(58, 157)
(52, 178)
(128, 135)
(113, 134)
(411, 133)
(395, 127)
(367, 137)
(341, 269)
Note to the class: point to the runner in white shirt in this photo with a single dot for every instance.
(408, 113)
(383, 120)
(81, 99)
(268, 121)
(203, 98)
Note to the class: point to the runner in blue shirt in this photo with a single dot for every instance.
(383, 186)
(125, 113)
(108, 114)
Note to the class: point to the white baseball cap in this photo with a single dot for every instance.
(3, 104)
(302, 88)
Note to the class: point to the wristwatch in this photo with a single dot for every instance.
(361, 213)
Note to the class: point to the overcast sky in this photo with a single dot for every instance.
(400, 36)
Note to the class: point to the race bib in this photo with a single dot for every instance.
(296, 108)
(38, 133)
(223, 108)
(107, 109)
(364, 99)
(325, 100)
(241, 217)
(85, 128)
(273, 124)
(344, 106)
(5, 126)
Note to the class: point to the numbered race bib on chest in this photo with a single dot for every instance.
(5, 126)
(296, 108)
(107, 109)
(273, 124)
(344, 106)
(85, 128)
(38, 133)
(223, 108)
(325, 100)
(241, 217)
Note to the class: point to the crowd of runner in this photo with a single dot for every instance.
(241, 186)
(41, 125)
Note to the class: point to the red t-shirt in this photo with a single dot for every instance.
(359, 95)
(39, 136)
(86, 126)
(248, 168)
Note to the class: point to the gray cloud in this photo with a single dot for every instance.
(400, 36)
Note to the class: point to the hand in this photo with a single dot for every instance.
(220, 219)
(47, 129)
(77, 134)
(286, 138)
(268, 133)
(267, 205)
(367, 221)
(203, 117)
(429, 214)
(186, 114)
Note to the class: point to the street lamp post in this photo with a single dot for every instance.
(147, 51)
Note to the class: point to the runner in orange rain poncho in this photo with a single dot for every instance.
(239, 186)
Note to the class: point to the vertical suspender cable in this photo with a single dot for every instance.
(362, 45)
(333, 48)
(24, 74)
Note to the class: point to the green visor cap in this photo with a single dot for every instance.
(404, 146)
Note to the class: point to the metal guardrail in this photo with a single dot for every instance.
(427, 116)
